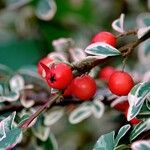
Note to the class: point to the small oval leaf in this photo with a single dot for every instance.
(46, 9)
(102, 50)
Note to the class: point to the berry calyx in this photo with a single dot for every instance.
(105, 37)
(120, 83)
(58, 76)
(105, 73)
(84, 87)
(46, 61)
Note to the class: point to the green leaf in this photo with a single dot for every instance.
(80, 113)
(2, 131)
(105, 142)
(46, 9)
(141, 145)
(144, 112)
(137, 130)
(12, 135)
(136, 98)
(123, 130)
(12, 138)
(148, 104)
(102, 50)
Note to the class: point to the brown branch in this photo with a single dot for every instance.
(130, 32)
(19, 107)
(40, 110)
(126, 49)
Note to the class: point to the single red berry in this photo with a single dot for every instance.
(58, 76)
(84, 87)
(105, 37)
(120, 83)
(134, 120)
(46, 61)
(122, 106)
(105, 73)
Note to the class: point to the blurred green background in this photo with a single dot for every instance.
(25, 37)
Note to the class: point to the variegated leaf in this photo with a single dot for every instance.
(102, 50)
(118, 24)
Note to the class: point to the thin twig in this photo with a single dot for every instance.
(40, 110)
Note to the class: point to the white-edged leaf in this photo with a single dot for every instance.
(143, 20)
(17, 83)
(139, 128)
(2, 131)
(77, 54)
(142, 31)
(105, 142)
(118, 100)
(41, 132)
(144, 52)
(123, 130)
(58, 56)
(80, 113)
(46, 9)
(10, 97)
(63, 44)
(52, 117)
(118, 24)
(141, 145)
(13, 135)
(148, 104)
(27, 103)
(98, 108)
(136, 98)
(102, 50)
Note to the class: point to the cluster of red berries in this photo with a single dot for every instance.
(60, 76)
(119, 82)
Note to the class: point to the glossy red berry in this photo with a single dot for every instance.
(105, 73)
(84, 87)
(58, 76)
(122, 106)
(105, 37)
(46, 61)
(68, 91)
(134, 120)
(120, 83)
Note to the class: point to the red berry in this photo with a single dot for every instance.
(68, 91)
(120, 83)
(46, 61)
(105, 37)
(134, 120)
(58, 76)
(84, 87)
(122, 106)
(105, 73)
